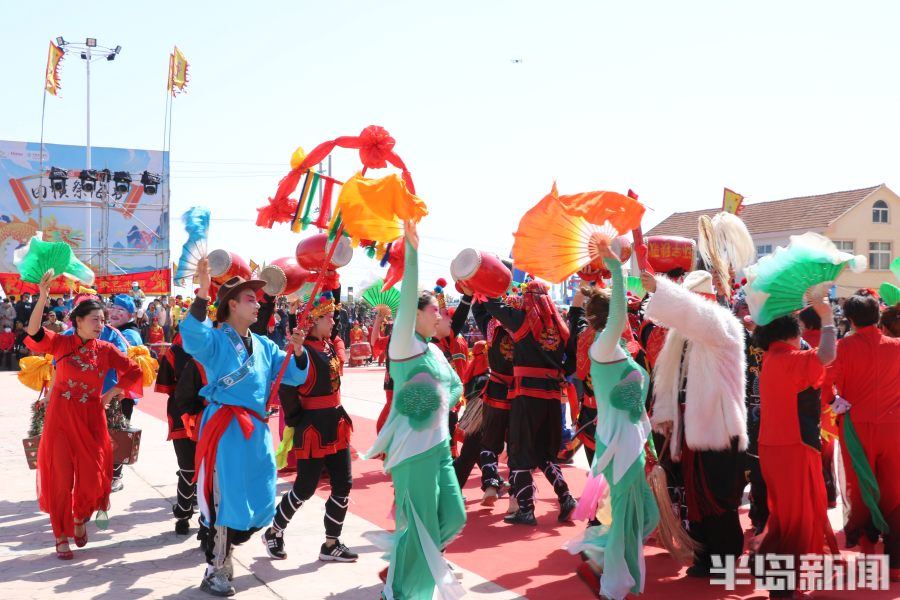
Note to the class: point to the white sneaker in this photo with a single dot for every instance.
(490, 496)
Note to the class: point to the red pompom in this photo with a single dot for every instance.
(442, 282)
(744, 281)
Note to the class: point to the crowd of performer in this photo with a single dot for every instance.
(680, 401)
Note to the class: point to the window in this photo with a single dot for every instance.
(879, 256)
(880, 212)
(763, 250)
(848, 247)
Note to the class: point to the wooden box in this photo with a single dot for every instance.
(31, 450)
(125, 445)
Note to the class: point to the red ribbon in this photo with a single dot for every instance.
(208, 445)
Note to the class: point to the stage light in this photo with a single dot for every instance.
(58, 180)
(88, 180)
(118, 49)
(104, 176)
(150, 181)
(60, 41)
(111, 56)
(123, 181)
(91, 42)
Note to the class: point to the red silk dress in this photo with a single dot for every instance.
(75, 454)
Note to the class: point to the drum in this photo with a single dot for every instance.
(668, 252)
(360, 352)
(483, 272)
(223, 265)
(311, 252)
(284, 276)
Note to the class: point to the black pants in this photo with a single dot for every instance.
(494, 431)
(217, 541)
(468, 457)
(720, 534)
(535, 432)
(127, 410)
(308, 473)
(186, 494)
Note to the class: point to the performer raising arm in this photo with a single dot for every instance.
(75, 453)
(235, 463)
(416, 442)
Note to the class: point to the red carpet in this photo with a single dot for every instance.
(527, 560)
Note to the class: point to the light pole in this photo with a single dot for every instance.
(89, 52)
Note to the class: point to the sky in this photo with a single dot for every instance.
(489, 102)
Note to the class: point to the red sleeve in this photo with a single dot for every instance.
(48, 344)
(813, 371)
(131, 379)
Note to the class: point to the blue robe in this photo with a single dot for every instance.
(245, 468)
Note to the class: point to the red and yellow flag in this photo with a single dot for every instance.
(731, 202)
(54, 56)
(178, 71)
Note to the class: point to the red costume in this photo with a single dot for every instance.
(75, 454)
(866, 373)
(789, 447)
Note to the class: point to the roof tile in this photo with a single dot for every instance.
(804, 213)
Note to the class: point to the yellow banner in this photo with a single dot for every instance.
(54, 56)
(731, 201)
(178, 71)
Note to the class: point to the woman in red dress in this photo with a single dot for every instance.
(789, 443)
(75, 455)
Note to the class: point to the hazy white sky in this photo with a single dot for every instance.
(673, 99)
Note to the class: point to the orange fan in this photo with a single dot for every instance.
(553, 244)
(622, 212)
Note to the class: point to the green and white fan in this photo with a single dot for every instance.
(778, 284)
(375, 297)
(890, 293)
(634, 285)
(37, 257)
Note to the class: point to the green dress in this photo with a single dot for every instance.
(415, 440)
(621, 386)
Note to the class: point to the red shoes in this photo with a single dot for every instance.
(81, 540)
(66, 554)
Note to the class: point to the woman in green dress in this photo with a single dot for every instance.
(415, 440)
(620, 384)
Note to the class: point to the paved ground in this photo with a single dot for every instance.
(139, 556)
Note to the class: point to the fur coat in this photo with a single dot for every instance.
(715, 365)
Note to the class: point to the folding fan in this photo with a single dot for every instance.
(635, 286)
(196, 223)
(37, 257)
(778, 283)
(376, 298)
(725, 245)
(890, 293)
(552, 244)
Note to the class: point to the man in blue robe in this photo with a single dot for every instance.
(235, 462)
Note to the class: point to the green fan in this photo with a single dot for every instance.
(635, 286)
(895, 267)
(778, 284)
(375, 297)
(890, 293)
(37, 257)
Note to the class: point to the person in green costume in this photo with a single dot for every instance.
(616, 549)
(415, 440)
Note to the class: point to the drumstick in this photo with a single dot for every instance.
(301, 316)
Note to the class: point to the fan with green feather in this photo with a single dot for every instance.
(37, 257)
(778, 284)
(890, 293)
(375, 297)
(635, 286)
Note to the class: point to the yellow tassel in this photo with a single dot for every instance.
(284, 448)
(148, 364)
(36, 372)
(669, 531)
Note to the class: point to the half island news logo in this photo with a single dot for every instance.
(809, 572)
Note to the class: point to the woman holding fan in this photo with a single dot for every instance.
(75, 454)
